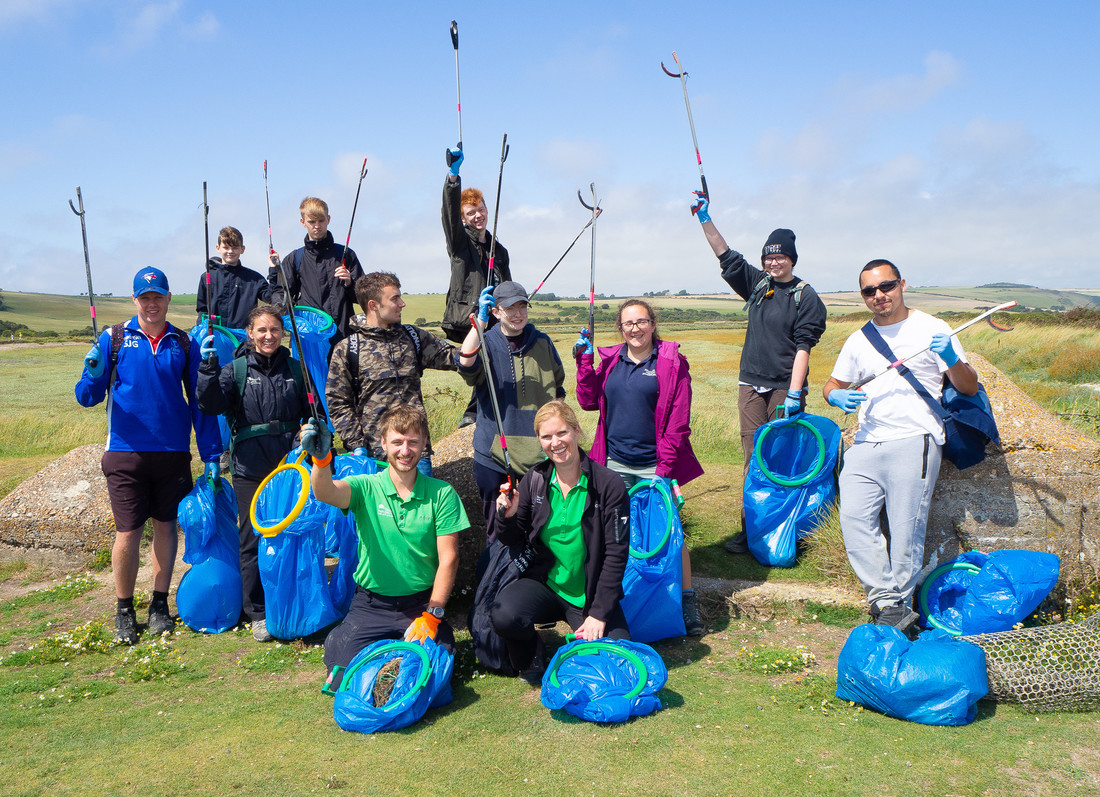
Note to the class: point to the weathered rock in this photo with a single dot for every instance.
(62, 507)
(1040, 491)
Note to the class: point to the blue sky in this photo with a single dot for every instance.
(957, 139)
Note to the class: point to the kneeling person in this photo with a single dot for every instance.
(408, 527)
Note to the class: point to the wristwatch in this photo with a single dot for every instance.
(436, 612)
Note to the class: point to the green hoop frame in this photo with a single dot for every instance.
(668, 511)
(410, 647)
(797, 481)
(591, 648)
(968, 567)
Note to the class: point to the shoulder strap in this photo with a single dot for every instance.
(796, 292)
(757, 289)
(875, 338)
(353, 364)
(240, 374)
(415, 337)
(298, 257)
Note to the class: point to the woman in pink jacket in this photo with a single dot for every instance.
(642, 390)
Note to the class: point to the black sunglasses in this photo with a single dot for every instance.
(885, 286)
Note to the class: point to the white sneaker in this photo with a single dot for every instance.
(260, 632)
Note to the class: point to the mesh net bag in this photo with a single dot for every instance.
(1049, 668)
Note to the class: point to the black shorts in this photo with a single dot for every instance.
(146, 484)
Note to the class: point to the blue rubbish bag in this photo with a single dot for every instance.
(341, 538)
(226, 341)
(936, 680)
(300, 597)
(209, 595)
(316, 329)
(653, 580)
(608, 680)
(790, 485)
(423, 682)
(977, 593)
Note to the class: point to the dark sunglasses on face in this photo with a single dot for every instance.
(885, 287)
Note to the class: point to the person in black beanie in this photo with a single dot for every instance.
(786, 320)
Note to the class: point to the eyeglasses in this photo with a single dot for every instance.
(641, 323)
(778, 260)
(885, 286)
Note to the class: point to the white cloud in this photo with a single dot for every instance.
(14, 13)
(150, 23)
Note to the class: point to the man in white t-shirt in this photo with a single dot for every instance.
(895, 459)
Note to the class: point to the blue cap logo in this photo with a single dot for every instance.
(150, 280)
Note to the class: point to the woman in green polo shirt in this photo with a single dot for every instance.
(575, 516)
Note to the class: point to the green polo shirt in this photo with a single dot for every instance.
(562, 535)
(397, 545)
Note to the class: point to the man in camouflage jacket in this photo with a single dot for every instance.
(379, 366)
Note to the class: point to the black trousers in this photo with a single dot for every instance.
(488, 484)
(252, 591)
(525, 603)
(372, 617)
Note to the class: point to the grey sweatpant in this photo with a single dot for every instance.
(901, 474)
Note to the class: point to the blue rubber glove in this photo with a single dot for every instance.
(360, 452)
(208, 351)
(847, 400)
(941, 345)
(583, 344)
(484, 303)
(701, 207)
(212, 473)
(94, 363)
(792, 405)
(316, 439)
(456, 161)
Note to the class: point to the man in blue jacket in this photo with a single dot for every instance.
(147, 369)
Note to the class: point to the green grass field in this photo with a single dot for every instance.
(222, 714)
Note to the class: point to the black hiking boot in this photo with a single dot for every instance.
(692, 624)
(738, 543)
(159, 618)
(468, 419)
(900, 616)
(126, 627)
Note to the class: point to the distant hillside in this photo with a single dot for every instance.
(63, 314)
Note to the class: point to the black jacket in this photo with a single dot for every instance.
(779, 326)
(270, 395)
(313, 283)
(236, 290)
(605, 526)
(469, 263)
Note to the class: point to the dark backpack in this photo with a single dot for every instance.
(353, 356)
(759, 293)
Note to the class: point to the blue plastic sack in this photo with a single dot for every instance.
(607, 680)
(790, 486)
(341, 538)
(936, 680)
(423, 682)
(316, 329)
(653, 580)
(209, 595)
(226, 341)
(977, 593)
(299, 595)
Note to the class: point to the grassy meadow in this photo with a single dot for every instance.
(749, 707)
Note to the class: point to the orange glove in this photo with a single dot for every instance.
(423, 627)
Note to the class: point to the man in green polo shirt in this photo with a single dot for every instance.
(408, 526)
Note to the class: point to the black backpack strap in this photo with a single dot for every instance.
(116, 346)
(757, 290)
(882, 347)
(415, 338)
(353, 365)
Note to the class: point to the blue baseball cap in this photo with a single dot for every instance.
(150, 279)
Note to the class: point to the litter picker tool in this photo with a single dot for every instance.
(857, 385)
(698, 159)
(362, 174)
(270, 241)
(458, 89)
(595, 208)
(508, 487)
(87, 261)
(211, 318)
(491, 277)
(588, 224)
